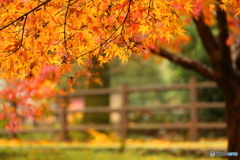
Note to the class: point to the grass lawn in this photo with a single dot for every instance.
(103, 149)
(58, 154)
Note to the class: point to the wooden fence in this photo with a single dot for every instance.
(193, 125)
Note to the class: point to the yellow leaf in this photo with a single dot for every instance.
(80, 61)
(98, 81)
(144, 29)
(188, 7)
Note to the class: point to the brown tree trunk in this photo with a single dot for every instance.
(14, 134)
(98, 100)
(231, 91)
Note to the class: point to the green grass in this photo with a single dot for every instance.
(52, 154)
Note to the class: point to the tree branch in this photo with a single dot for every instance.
(25, 14)
(22, 37)
(186, 62)
(208, 40)
(65, 28)
(222, 37)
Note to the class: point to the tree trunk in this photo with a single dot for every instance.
(231, 91)
(98, 100)
(15, 106)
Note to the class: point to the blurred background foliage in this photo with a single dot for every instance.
(141, 73)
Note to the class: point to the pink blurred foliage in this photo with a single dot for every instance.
(24, 98)
(198, 7)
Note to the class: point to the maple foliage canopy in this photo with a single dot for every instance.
(61, 32)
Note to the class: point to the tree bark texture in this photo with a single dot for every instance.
(231, 91)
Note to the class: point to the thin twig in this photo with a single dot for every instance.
(19, 18)
(22, 36)
(65, 27)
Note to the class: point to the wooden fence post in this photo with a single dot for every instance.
(124, 119)
(14, 105)
(193, 130)
(64, 133)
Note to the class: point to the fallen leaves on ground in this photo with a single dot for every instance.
(130, 143)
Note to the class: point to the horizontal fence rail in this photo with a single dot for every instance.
(193, 125)
(149, 107)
